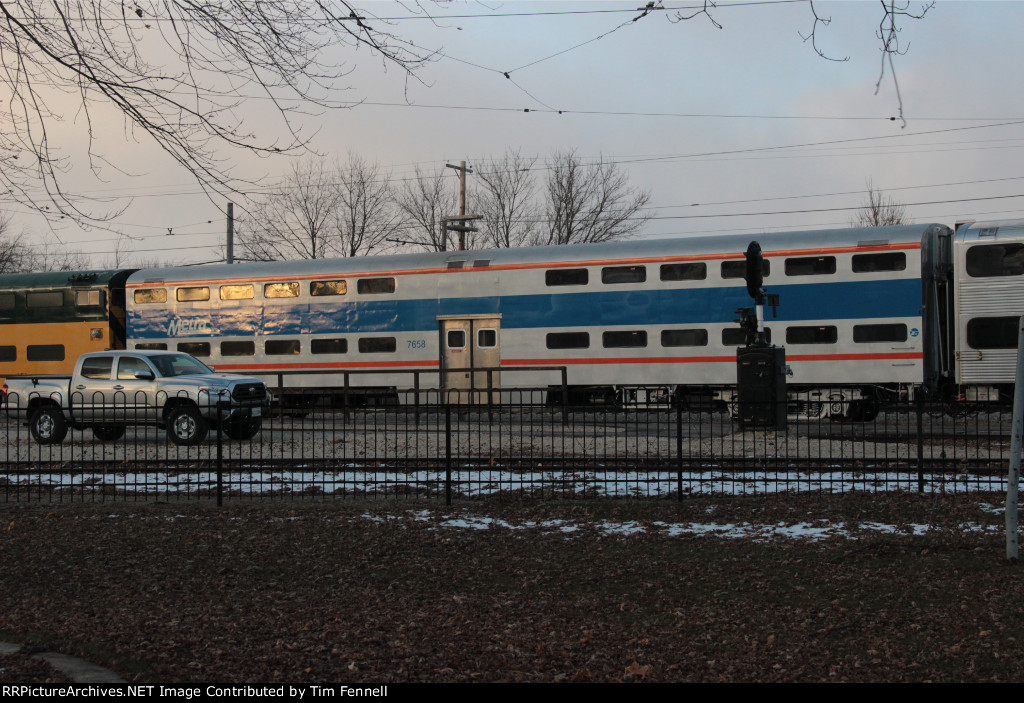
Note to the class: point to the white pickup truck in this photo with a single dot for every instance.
(113, 389)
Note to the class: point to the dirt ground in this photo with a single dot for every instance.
(855, 587)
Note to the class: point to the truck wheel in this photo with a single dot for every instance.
(108, 433)
(243, 429)
(186, 426)
(48, 425)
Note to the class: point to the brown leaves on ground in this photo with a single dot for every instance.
(393, 591)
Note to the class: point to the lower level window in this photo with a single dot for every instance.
(45, 352)
(237, 348)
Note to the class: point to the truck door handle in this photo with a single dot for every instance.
(118, 387)
(80, 388)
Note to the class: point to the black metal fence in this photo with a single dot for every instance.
(448, 445)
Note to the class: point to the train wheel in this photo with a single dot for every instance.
(186, 427)
(108, 433)
(48, 425)
(243, 429)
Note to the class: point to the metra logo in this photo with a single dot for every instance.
(178, 327)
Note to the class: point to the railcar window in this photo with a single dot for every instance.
(377, 345)
(97, 367)
(237, 292)
(237, 348)
(327, 288)
(194, 348)
(45, 352)
(879, 333)
(8, 353)
(151, 295)
(992, 332)
(329, 346)
(825, 334)
(49, 299)
(987, 260)
(810, 265)
(88, 298)
(280, 347)
(567, 277)
(886, 261)
(620, 339)
(374, 286)
(736, 337)
(456, 339)
(684, 272)
(568, 340)
(623, 274)
(6, 301)
(281, 290)
(156, 346)
(185, 295)
(487, 338)
(684, 338)
(738, 269)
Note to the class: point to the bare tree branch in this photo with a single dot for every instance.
(880, 210)
(505, 198)
(425, 200)
(365, 216)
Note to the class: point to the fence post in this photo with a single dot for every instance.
(1015, 450)
(679, 449)
(920, 438)
(447, 451)
(220, 454)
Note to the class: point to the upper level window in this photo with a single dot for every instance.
(986, 260)
(237, 292)
(6, 301)
(88, 298)
(885, 261)
(623, 274)
(697, 271)
(367, 286)
(327, 288)
(992, 332)
(151, 295)
(281, 290)
(49, 299)
(566, 277)
(186, 295)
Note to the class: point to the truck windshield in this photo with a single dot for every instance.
(178, 365)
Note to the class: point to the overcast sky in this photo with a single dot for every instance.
(739, 129)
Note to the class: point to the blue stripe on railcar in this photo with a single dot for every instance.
(693, 306)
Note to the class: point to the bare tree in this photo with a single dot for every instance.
(506, 199)
(15, 252)
(295, 220)
(177, 71)
(880, 210)
(426, 200)
(365, 214)
(590, 202)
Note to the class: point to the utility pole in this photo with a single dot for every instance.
(231, 234)
(462, 217)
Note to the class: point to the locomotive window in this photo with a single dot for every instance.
(487, 338)
(377, 345)
(281, 290)
(888, 261)
(6, 301)
(237, 348)
(88, 298)
(193, 348)
(155, 346)
(811, 266)
(987, 260)
(684, 338)
(826, 334)
(456, 339)
(45, 352)
(97, 367)
(237, 292)
(280, 347)
(49, 299)
(8, 353)
(185, 295)
(992, 332)
(623, 274)
(568, 340)
(375, 285)
(329, 346)
(151, 295)
(327, 288)
(567, 277)
(624, 338)
(736, 337)
(879, 333)
(738, 269)
(684, 272)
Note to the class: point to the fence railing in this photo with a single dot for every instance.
(447, 445)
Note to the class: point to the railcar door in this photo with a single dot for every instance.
(471, 358)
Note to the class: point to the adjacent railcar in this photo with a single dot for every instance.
(860, 308)
(47, 320)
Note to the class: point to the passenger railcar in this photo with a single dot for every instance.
(853, 313)
(47, 320)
